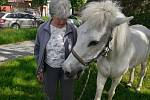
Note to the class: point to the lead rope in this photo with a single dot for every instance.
(89, 72)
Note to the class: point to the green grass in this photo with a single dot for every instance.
(18, 82)
(8, 35)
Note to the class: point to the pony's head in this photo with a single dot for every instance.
(100, 20)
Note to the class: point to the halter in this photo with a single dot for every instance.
(103, 53)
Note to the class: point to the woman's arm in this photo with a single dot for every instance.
(36, 48)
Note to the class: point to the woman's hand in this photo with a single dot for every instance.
(40, 76)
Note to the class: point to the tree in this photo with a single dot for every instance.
(3, 2)
(77, 4)
(39, 3)
(140, 9)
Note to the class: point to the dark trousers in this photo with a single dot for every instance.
(52, 76)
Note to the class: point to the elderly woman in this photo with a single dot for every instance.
(54, 41)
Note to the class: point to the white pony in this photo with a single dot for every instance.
(141, 41)
(129, 45)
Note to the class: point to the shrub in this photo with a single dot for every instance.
(140, 9)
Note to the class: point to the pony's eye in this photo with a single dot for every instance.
(93, 43)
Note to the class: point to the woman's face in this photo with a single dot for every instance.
(60, 21)
(63, 21)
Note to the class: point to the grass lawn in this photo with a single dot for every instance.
(18, 82)
(8, 35)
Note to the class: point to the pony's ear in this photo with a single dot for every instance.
(119, 20)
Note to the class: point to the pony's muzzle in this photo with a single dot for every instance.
(68, 74)
(74, 75)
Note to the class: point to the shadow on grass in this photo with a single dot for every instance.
(18, 82)
(11, 54)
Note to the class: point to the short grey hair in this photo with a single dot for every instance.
(60, 8)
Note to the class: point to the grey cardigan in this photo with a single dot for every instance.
(42, 38)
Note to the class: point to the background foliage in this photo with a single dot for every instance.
(77, 5)
(3, 2)
(140, 9)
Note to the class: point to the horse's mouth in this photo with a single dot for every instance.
(68, 74)
(73, 74)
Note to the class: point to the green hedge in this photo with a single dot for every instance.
(8, 35)
(140, 9)
(142, 18)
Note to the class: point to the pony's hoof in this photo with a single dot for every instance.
(138, 89)
(129, 84)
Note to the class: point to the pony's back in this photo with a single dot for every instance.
(142, 28)
(140, 38)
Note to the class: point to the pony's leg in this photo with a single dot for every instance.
(115, 82)
(131, 77)
(101, 80)
(143, 72)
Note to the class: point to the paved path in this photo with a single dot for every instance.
(12, 51)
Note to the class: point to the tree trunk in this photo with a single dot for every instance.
(41, 10)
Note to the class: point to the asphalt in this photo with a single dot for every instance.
(15, 50)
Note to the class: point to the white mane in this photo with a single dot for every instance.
(96, 14)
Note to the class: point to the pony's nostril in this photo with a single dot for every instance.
(67, 74)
